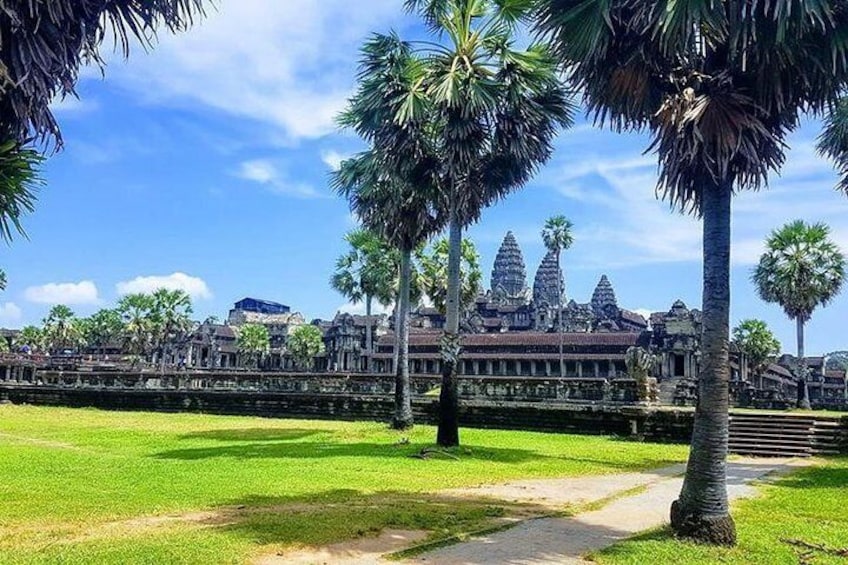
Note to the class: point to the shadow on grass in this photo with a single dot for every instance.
(284, 449)
(254, 434)
(834, 474)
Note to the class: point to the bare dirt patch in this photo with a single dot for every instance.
(360, 551)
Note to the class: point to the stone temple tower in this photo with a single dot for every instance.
(509, 276)
(604, 304)
(545, 287)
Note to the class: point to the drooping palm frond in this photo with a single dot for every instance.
(719, 84)
(43, 44)
(833, 141)
(19, 180)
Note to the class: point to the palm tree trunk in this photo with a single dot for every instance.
(702, 512)
(559, 314)
(403, 399)
(368, 336)
(448, 432)
(803, 389)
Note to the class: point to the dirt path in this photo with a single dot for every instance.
(566, 540)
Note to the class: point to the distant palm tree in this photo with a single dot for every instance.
(253, 342)
(44, 44)
(60, 329)
(756, 341)
(801, 270)
(404, 217)
(137, 315)
(171, 314)
(481, 116)
(557, 238)
(719, 85)
(365, 272)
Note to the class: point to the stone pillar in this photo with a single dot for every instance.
(533, 368)
(489, 368)
(597, 367)
(579, 369)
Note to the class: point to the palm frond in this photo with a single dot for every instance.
(20, 178)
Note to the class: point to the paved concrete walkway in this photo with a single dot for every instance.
(566, 540)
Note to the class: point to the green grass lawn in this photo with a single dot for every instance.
(86, 486)
(810, 506)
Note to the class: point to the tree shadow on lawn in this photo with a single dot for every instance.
(285, 449)
(281, 443)
(255, 434)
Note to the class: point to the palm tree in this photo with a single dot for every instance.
(557, 238)
(479, 117)
(304, 344)
(60, 329)
(756, 341)
(44, 45)
(103, 328)
(253, 342)
(137, 314)
(719, 85)
(404, 217)
(364, 273)
(434, 274)
(31, 338)
(171, 313)
(801, 270)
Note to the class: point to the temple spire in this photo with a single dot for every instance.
(509, 275)
(604, 304)
(545, 286)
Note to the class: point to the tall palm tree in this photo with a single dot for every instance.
(44, 44)
(171, 313)
(365, 272)
(481, 116)
(434, 274)
(719, 85)
(801, 270)
(103, 328)
(402, 215)
(557, 238)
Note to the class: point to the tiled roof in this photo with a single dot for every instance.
(633, 317)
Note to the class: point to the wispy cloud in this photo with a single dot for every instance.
(70, 293)
(288, 64)
(333, 159)
(629, 226)
(193, 286)
(267, 174)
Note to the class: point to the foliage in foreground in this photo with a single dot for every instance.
(300, 482)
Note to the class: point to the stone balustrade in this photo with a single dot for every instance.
(518, 389)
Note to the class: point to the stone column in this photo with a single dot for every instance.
(533, 368)
(579, 369)
(597, 367)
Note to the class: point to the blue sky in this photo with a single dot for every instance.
(203, 165)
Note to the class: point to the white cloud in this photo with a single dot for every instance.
(70, 293)
(359, 308)
(267, 174)
(289, 64)
(73, 105)
(629, 226)
(333, 159)
(193, 286)
(10, 314)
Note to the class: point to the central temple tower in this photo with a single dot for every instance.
(509, 275)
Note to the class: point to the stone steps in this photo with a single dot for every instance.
(784, 435)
